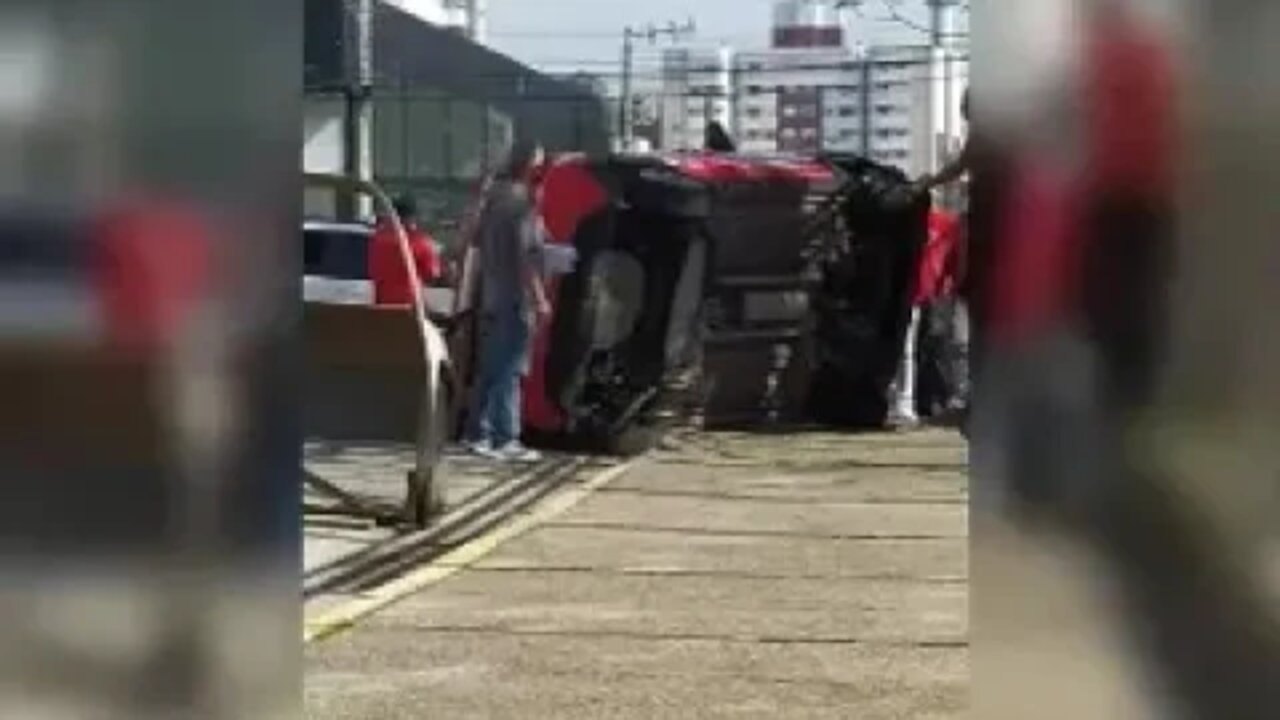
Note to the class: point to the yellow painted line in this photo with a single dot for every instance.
(345, 616)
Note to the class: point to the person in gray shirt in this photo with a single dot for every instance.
(508, 239)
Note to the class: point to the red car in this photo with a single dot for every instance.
(714, 261)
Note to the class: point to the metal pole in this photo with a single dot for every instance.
(935, 43)
(940, 62)
(734, 104)
(652, 32)
(358, 120)
(624, 106)
(864, 105)
(405, 136)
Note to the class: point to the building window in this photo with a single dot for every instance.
(754, 89)
(788, 133)
(753, 112)
(848, 111)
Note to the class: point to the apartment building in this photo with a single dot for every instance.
(811, 91)
(697, 89)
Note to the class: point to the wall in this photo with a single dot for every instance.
(322, 149)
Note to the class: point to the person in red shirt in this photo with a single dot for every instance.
(391, 282)
(933, 279)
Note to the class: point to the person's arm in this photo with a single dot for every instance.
(951, 172)
(531, 242)
(471, 221)
(464, 298)
(425, 258)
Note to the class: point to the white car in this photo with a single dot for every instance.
(336, 267)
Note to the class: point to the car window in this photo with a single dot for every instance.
(335, 253)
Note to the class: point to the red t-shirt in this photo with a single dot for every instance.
(391, 285)
(937, 259)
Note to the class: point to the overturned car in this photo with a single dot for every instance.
(781, 284)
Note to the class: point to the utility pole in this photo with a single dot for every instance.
(940, 29)
(629, 36)
(358, 116)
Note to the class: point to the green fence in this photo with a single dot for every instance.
(437, 147)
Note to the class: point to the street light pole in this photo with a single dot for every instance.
(940, 62)
(629, 36)
(624, 104)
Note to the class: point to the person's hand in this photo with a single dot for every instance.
(542, 311)
(903, 196)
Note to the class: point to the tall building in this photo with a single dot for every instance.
(896, 108)
(798, 100)
(697, 89)
(810, 91)
(799, 24)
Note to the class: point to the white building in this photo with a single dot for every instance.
(697, 88)
(470, 17)
(897, 110)
(798, 100)
(813, 91)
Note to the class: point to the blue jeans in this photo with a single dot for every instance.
(495, 401)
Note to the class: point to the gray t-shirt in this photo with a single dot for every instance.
(509, 237)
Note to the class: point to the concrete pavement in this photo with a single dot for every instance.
(798, 575)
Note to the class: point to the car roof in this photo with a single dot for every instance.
(336, 227)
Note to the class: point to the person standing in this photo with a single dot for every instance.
(513, 302)
(931, 295)
(391, 282)
(969, 314)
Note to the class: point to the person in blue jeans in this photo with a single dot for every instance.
(509, 240)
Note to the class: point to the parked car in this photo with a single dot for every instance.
(336, 268)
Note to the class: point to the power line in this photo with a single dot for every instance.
(393, 91)
(896, 16)
(662, 70)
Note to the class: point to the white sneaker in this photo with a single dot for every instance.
(903, 420)
(484, 449)
(515, 452)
